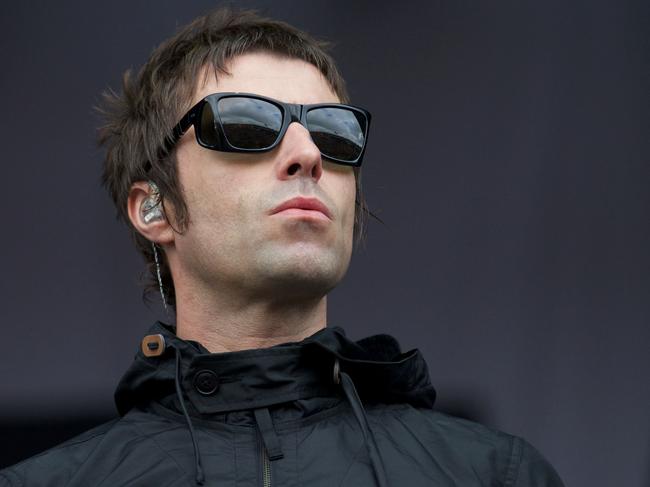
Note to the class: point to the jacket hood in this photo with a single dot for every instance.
(327, 364)
(250, 379)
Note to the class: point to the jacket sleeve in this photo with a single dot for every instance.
(528, 468)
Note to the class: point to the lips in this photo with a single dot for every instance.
(302, 203)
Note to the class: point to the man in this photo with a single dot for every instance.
(234, 157)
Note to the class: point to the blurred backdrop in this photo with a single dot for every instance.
(509, 161)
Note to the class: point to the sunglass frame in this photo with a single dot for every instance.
(291, 112)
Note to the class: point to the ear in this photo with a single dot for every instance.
(142, 195)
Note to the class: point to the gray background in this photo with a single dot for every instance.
(508, 159)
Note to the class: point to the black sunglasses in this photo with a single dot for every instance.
(244, 122)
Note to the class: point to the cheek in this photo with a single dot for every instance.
(222, 206)
(213, 195)
(204, 177)
(344, 191)
(351, 193)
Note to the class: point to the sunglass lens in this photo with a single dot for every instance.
(209, 133)
(249, 123)
(339, 133)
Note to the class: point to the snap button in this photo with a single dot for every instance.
(206, 382)
(337, 372)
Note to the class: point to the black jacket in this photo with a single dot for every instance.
(326, 411)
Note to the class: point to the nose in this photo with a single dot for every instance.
(298, 155)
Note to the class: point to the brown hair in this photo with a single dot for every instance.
(140, 119)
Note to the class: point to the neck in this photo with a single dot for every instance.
(226, 323)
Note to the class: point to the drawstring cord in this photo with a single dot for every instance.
(359, 412)
(197, 456)
(351, 395)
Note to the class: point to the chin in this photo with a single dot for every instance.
(313, 274)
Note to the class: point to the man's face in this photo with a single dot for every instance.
(233, 241)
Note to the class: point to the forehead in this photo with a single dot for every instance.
(285, 79)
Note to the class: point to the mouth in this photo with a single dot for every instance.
(303, 207)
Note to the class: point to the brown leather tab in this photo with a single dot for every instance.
(153, 345)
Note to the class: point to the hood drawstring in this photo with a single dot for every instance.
(179, 393)
(368, 437)
(268, 434)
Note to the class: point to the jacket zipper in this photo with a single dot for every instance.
(266, 466)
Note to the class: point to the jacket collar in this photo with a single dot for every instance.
(250, 379)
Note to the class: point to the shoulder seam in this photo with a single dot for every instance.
(155, 442)
(133, 426)
(91, 451)
(60, 446)
(100, 433)
(512, 473)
